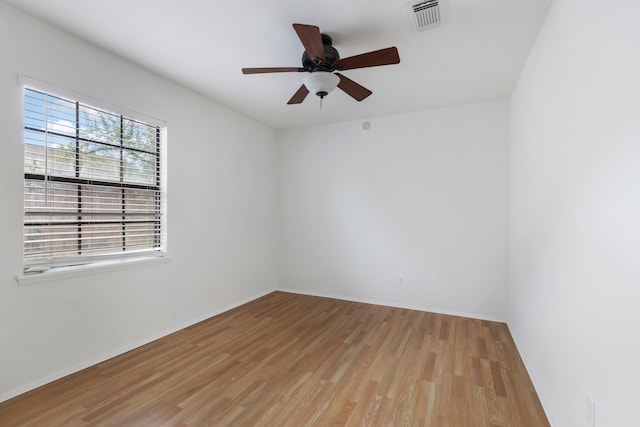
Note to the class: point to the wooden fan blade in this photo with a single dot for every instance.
(299, 96)
(352, 88)
(311, 39)
(374, 58)
(271, 70)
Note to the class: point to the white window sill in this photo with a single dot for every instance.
(80, 270)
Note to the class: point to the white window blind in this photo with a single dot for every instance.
(93, 184)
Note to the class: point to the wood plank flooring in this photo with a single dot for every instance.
(294, 360)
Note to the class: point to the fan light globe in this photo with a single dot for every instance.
(321, 82)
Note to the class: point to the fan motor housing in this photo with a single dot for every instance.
(330, 53)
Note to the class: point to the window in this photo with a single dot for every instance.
(93, 184)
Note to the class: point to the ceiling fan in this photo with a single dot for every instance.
(321, 61)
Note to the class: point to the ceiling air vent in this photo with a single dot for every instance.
(424, 14)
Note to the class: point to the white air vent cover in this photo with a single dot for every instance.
(424, 14)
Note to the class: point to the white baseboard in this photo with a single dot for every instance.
(396, 305)
(545, 407)
(101, 358)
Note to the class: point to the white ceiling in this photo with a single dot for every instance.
(475, 55)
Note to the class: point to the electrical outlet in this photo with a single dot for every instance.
(590, 412)
(400, 280)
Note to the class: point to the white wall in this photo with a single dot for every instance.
(422, 195)
(575, 240)
(221, 215)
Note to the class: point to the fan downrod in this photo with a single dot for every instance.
(331, 55)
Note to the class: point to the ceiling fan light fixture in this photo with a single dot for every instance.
(321, 82)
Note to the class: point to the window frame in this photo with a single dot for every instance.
(108, 260)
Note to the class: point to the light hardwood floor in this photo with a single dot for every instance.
(294, 360)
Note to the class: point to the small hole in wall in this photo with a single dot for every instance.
(366, 125)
